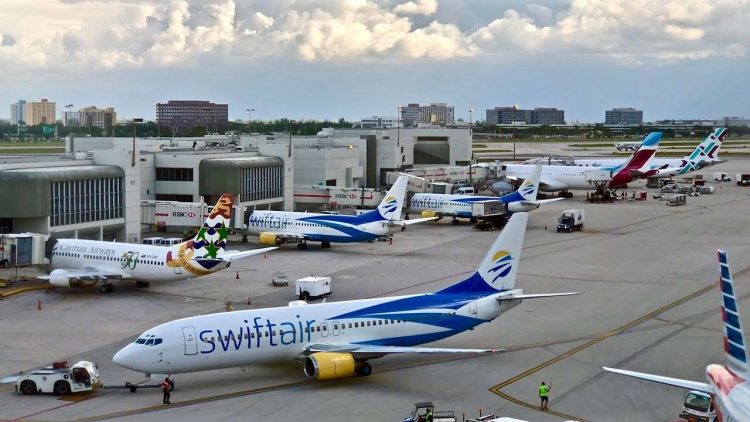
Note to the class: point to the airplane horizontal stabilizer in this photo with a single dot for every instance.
(536, 296)
(412, 221)
(233, 255)
(547, 201)
(690, 385)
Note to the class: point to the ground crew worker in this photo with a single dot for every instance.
(544, 394)
(428, 416)
(165, 389)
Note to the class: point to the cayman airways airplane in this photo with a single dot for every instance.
(728, 385)
(705, 154)
(78, 262)
(559, 178)
(460, 206)
(279, 227)
(335, 340)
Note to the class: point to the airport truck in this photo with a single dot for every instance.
(312, 287)
(742, 179)
(571, 220)
(420, 411)
(698, 406)
(60, 379)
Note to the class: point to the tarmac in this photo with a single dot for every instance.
(649, 302)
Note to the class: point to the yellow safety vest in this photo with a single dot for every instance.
(543, 391)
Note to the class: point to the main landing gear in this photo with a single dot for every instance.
(302, 245)
(363, 369)
(107, 288)
(454, 221)
(325, 245)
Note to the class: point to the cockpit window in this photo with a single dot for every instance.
(150, 342)
(140, 341)
(157, 341)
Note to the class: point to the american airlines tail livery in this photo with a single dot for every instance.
(78, 262)
(336, 340)
(728, 385)
(279, 227)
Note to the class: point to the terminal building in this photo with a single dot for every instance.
(98, 188)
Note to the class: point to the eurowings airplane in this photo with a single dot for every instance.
(728, 384)
(460, 206)
(279, 227)
(336, 339)
(705, 154)
(78, 262)
(559, 178)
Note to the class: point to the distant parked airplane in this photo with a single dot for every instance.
(728, 385)
(460, 206)
(79, 262)
(337, 339)
(279, 227)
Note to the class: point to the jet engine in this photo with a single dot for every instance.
(270, 239)
(330, 365)
(428, 214)
(522, 206)
(60, 278)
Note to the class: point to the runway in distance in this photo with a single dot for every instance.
(522, 199)
(79, 262)
(336, 339)
(559, 178)
(279, 227)
(705, 154)
(728, 385)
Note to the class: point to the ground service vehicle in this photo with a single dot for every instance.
(312, 287)
(742, 179)
(677, 199)
(420, 410)
(279, 279)
(698, 406)
(60, 379)
(571, 220)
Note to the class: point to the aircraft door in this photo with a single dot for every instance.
(335, 328)
(191, 344)
(473, 309)
(324, 329)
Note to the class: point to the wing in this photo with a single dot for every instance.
(86, 274)
(234, 255)
(547, 201)
(370, 351)
(535, 296)
(545, 183)
(690, 385)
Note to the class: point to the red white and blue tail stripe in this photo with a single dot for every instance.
(735, 346)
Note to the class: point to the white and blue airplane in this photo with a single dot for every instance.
(336, 340)
(279, 227)
(460, 206)
(728, 386)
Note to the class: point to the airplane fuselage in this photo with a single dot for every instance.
(255, 337)
(319, 227)
(454, 205)
(136, 261)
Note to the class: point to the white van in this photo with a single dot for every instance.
(170, 241)
(466, 190)
(152, 240)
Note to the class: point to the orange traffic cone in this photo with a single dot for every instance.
(237, 277)
(39, 305)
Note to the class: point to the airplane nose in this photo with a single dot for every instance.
(126, 358)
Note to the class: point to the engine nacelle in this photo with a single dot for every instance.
(270, 239)
(59, 278)
(522, 206)
(428, 214)
(330, 365)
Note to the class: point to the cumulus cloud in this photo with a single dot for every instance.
(142, 33)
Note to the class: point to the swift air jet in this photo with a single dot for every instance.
(728, 385)
(460, 206)
(336, 339)
(562, 178)
(279, 227)
(704, 155)
(78, 262)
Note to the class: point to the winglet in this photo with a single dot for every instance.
(735, 346)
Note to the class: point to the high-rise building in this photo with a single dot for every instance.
(183, 115)
(515, 115)
(410, 115)
(378, 122)
(623, 116)
(18, 112)
(91, 116)
(40, 112)
(436, 114)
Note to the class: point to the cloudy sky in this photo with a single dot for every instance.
(355, 58)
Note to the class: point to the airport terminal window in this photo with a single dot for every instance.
(174, 174)
(261, 183)
(82, 201)
(174, 197)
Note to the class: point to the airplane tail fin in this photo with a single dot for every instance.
(708, 150)
(735, 345)
(211, 240)
(643, 153)
(390, 207)
(530, 187)
(499, 267)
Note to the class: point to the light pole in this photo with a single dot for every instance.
(135, 120)
(70, 132)
(471, 142)
(249, 119)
